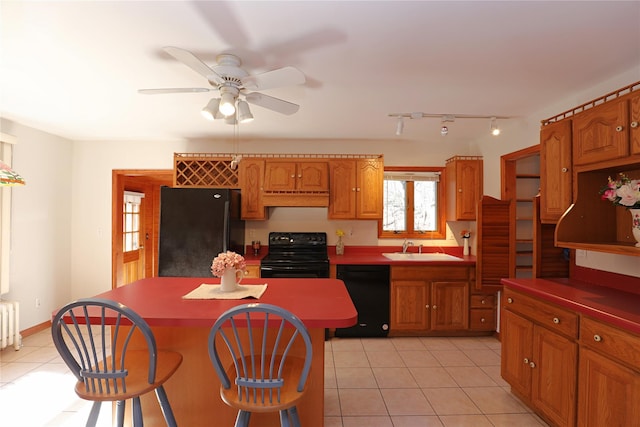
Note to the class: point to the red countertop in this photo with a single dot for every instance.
(373, 255)
(319, 303)
(617, 307)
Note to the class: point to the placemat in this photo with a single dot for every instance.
(205, 291)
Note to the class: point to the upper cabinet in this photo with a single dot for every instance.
(601, 133)
(252, 182)
(356, 188)
(605, 141)
(555, 170)
(285, 175)
(464, 179)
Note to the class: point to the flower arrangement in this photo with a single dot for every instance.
(226, 260)
(623, 192)
(465, 234)
(339, 232)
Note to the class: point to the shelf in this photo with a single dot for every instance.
(527, 176)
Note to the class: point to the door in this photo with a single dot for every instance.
(128, 266)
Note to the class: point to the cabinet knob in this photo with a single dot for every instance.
(565, 170)
(300, 176)
(483, 320)
(532, 365)
(510, 300)
(526, 360)
(427, 306)
(597, 338)
(435, 307)
(353, 189)
(634, 124)
(293, 176)
(556, 320)
(619, 128)
(459, 190)
(483, 302)
(357, 188)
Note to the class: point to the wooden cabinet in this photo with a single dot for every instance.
(252, 271)
(540, 354)
(609, 385)
(356, 188)
(482, 313)
(286, 175)
(464, 183)
(251, 177)
(606, 141)
(555, 171)
(496, 237)
(601, 133)
(426, 299)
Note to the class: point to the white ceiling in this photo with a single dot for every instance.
(73, 68)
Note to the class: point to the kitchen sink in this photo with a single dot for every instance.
(410, 256)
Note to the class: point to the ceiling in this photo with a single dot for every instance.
(73, 68)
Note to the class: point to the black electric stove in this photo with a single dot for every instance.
(296, 255)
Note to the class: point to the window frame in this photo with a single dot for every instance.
(441, 222)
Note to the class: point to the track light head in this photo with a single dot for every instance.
(400, 126)
(495, 130)
(444, 131)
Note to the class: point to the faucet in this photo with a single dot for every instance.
(405, 245)
(420, 248)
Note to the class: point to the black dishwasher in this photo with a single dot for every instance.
(368, 286)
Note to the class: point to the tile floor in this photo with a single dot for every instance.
(392, 382)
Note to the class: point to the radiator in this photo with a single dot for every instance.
(10, 324)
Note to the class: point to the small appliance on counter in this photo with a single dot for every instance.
(196, 224)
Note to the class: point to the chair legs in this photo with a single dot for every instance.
(137, 412)
(289, 417)
(120, 407)
(93, 414)
(242, 420)
(166, 408)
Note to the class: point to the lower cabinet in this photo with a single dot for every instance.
(252, 271)
(482, 314)
(426, 299)
(609, 385)
(590, 382)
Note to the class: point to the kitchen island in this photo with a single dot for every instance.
(183, 325)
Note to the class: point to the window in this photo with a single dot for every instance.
(6, 142)
(131, 221)
(413, 203)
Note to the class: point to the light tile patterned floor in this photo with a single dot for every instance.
(373, 382)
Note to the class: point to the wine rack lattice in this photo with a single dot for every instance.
(204, 172)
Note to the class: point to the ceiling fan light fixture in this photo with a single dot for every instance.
(495, 130)
(227, 104)
(244, 113)
(399, 126)
(210, 110)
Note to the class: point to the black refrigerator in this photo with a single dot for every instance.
(196, 224)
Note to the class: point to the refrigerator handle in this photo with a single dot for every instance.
(225, 226)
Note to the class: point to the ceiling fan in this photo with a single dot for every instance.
(232, 82)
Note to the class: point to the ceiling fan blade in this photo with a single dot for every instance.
(193, 62)
(271, 103)
(173, 90)
(286, 76)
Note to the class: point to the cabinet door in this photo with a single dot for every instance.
(449, 306)
(601, 133)
(609, 393)
(312, 176)
(409, 305)
(553, 366)
(369, 197)
(464, 189)
(517, 343)
(342, 187)
(251, 175)
(634, 126)
(555, 170)
(280, 176)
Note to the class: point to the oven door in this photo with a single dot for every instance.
(294, 271)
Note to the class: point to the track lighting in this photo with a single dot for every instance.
(211, 109)
(495, 130)
(444, 131)
(244, 113)
(400, 126)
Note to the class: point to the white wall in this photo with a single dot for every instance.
(41, 256)
(62, 219)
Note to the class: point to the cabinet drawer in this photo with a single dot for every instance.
(482, 319)
(548, 315)
(252, 271)
(483, 301)
(610, 341)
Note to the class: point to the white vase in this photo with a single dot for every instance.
(230, 280)
(465, 247)
(635, 225)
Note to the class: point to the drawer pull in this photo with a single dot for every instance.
(526, 361)
(483, 320)
(597, 338)
(510, 300)
(483, 302)
(556, 320)
(532, 365)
